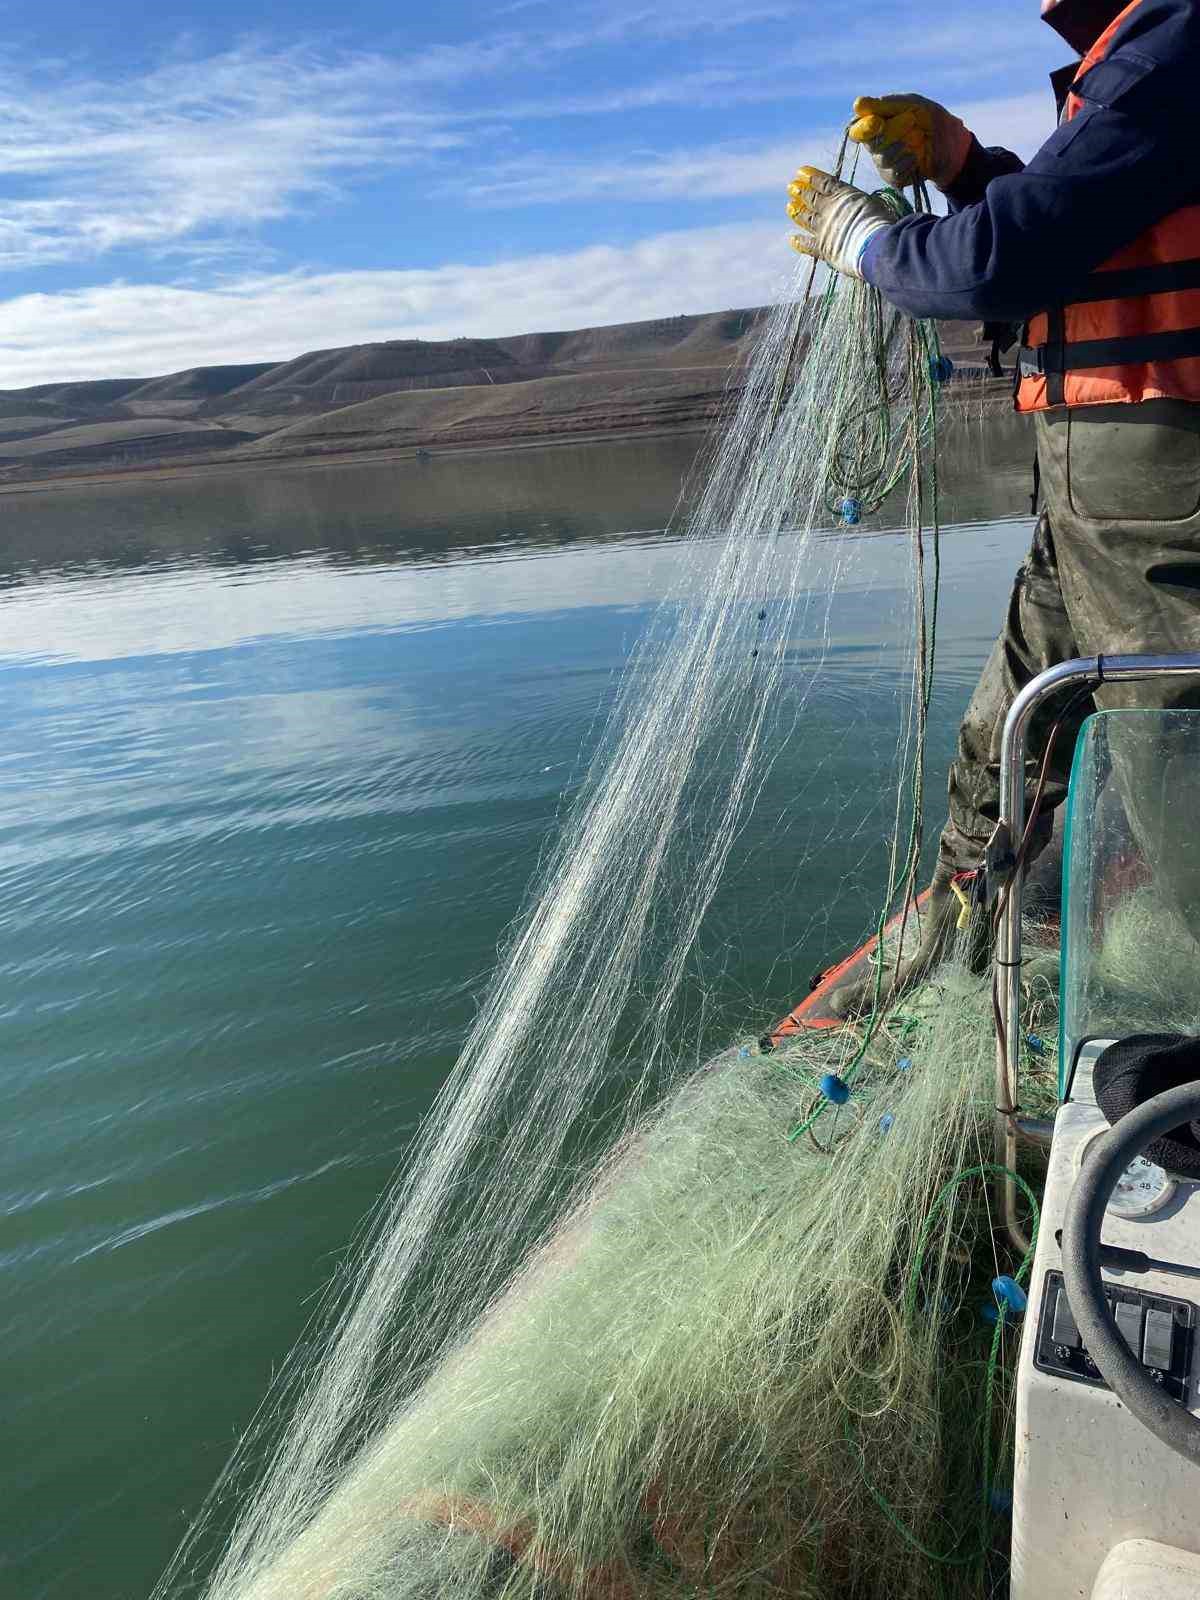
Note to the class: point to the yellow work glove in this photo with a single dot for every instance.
(837, 221)
(911, 139)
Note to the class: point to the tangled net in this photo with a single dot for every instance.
(724, 1362)
(739, 1368)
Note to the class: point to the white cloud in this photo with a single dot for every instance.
(225, 142)
(132, 330)
(707, 88)
(722, 171)
(669, 19)
(927, 49)
(197, 154)
(943, 57)
(201, 150)
(708, 172)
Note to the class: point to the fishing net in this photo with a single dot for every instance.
(740, 1366)
(742, 1352)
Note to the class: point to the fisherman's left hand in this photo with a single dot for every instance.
(836, 220)
(911, 139)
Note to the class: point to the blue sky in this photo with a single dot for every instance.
(187, 184)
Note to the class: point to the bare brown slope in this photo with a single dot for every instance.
(684, 387)
(324, 379)
(712, 339)
(91, 435)
(543, 408)
(199, 383)
(664, 373)
(391, 361)
(85, 396)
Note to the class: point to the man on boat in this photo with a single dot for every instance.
(1093, 251)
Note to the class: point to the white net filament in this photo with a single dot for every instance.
(538, 1359)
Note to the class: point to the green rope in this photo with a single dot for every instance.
(868, 466)
(872, 485)
(988, 1169)
(938, 1557)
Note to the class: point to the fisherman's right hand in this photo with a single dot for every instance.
(911, 139)
(837, 221)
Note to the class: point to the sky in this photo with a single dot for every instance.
(191, 184)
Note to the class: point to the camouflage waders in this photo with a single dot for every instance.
(1114, 569)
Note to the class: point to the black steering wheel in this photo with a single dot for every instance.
(1104, 1162)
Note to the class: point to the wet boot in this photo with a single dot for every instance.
(950, 894)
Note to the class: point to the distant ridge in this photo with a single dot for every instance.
(200, 383)
(669, 373)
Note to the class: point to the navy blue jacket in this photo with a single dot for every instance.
(1019, 239)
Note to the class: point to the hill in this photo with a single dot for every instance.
(198, 383)
(671, 373)
(550, 408)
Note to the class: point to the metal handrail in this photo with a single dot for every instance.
(1010, 1127)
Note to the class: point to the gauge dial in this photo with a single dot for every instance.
(1141, 1189)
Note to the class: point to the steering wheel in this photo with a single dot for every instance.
(1105, 1161)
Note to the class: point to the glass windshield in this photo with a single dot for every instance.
(1131, 879)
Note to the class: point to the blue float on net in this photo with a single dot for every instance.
(836, 1090)
(1037, 1047)
(941, 369)
(904, 1064)
(851, 511)
(1009, 1294)
(886, 1122)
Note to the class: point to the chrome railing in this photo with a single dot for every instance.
(1005, 850)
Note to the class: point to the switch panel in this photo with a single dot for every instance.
(1160, 1331)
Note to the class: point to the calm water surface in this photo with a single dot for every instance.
(279, 754)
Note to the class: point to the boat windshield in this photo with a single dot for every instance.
(1131, 880)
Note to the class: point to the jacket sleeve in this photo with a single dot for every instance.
(1100, 180)
(981, 166)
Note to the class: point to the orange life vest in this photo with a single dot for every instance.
(1134, 333)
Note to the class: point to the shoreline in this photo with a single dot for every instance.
(376, 455)
(161, 472)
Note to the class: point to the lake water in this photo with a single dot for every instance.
(280, 751)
